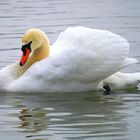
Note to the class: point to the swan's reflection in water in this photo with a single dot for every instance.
(33, 120)
(72, 116)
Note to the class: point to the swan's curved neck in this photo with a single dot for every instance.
(37, 55)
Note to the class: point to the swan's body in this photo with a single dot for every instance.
(79, 59)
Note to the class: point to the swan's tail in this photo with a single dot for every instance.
(128, 62)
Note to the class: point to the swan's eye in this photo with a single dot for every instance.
(26, 46)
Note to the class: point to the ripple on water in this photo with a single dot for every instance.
(67, 116)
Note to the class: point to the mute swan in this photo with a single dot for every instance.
(79, 59)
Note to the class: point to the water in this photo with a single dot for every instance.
(77, 116)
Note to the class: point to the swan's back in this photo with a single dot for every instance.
(80, 58)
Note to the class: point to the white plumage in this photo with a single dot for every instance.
(80, 59)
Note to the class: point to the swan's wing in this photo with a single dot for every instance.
(80, 59)
(110, 50)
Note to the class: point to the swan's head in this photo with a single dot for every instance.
(32, 40)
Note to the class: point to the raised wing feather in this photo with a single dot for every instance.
(110, 50)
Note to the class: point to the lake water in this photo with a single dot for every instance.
(77, 116)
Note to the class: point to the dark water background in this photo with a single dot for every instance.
(78, 116)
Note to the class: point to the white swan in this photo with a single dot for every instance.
(79, 59)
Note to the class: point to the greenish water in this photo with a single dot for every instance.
(76, 116)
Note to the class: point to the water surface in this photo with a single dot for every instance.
(77, 116)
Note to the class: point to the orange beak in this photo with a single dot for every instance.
(25, 56)
(26, 49)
